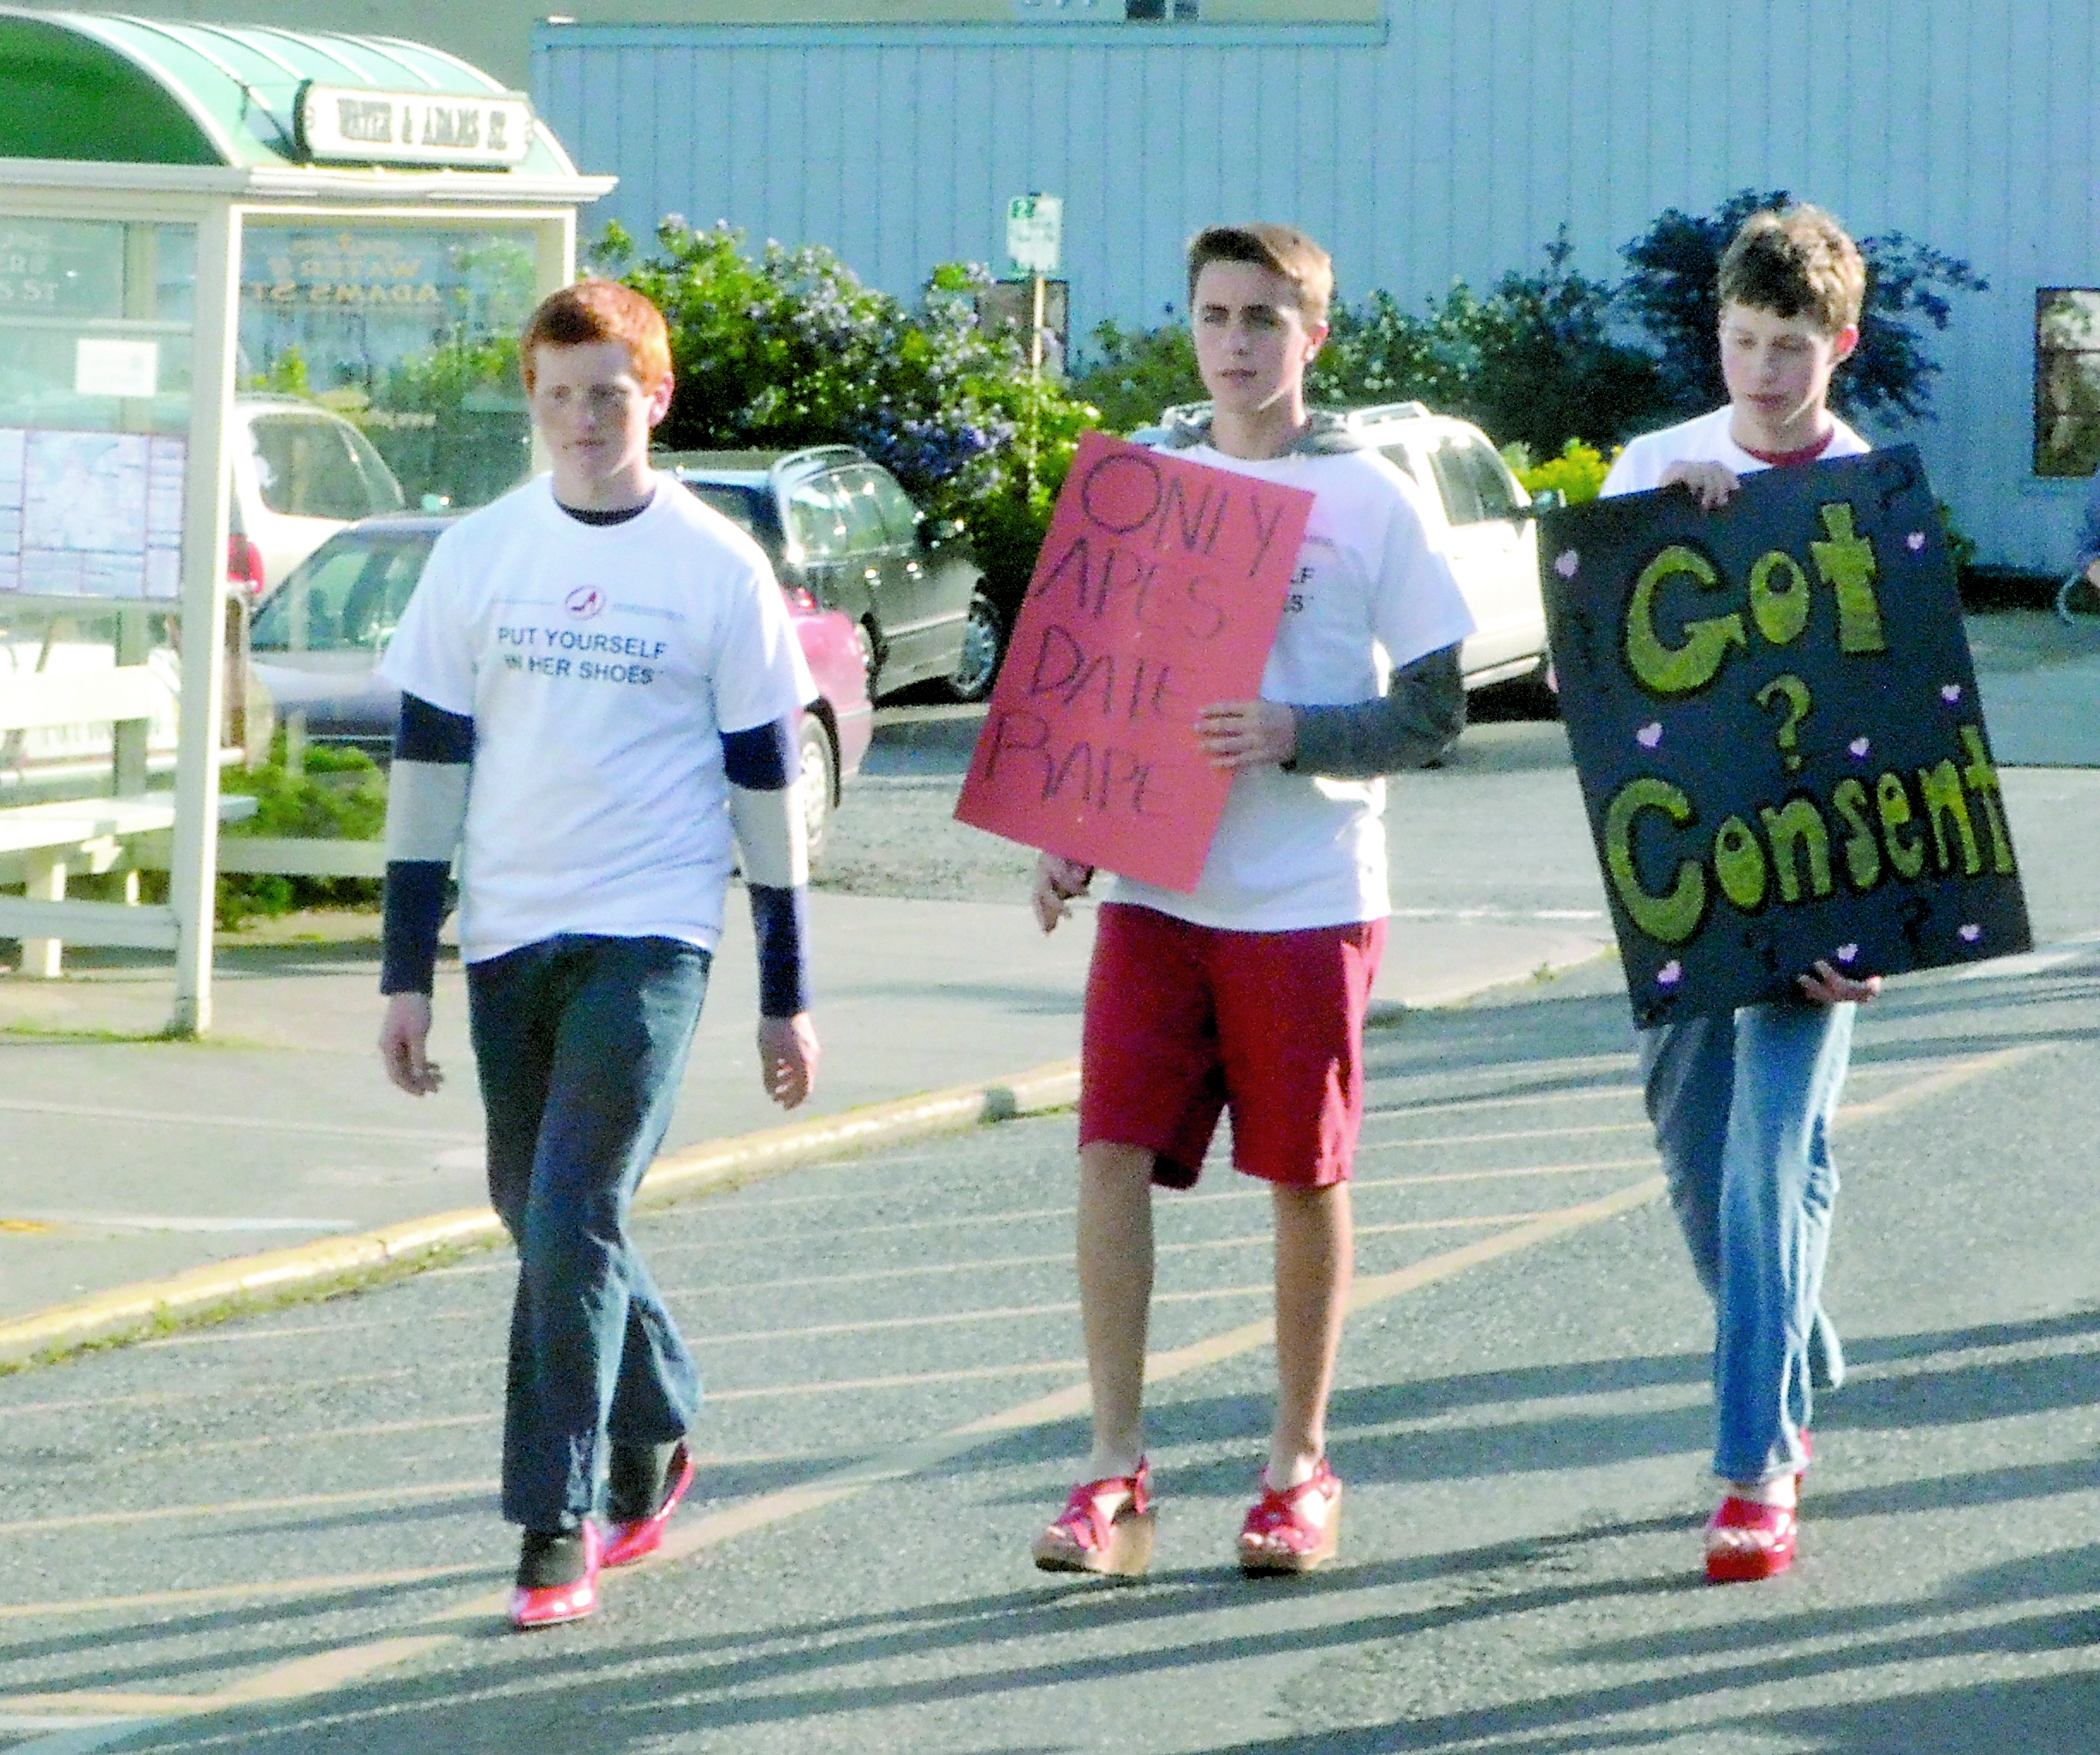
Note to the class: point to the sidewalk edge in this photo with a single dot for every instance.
(231, 1287)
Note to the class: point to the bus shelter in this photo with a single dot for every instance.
(204, 230)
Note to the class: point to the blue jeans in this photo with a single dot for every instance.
(1741, 1106)
(580, 1042)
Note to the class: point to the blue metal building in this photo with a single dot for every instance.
(1446, 139)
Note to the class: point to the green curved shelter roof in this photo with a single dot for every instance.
(101, 86)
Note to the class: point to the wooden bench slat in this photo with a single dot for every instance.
(32, 701)
(149, 927)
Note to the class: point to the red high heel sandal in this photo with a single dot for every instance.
(1106, 1528)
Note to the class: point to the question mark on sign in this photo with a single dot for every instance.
(1795, 710)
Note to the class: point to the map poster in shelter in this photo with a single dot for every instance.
(1157, 592)
(1774, 716)
(90, 514)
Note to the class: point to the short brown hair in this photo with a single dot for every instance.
(599, 310)
(1282, 249)
(1795, 262)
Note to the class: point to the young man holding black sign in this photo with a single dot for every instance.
(1251, 992)
(1743, 1103)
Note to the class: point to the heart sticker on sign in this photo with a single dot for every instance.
(1951, 692)
(1914, 541)
(1971, 933)
(1649, 735)
(1859, 747)
(1669, 974)
(1566, 564)
(1847, 953)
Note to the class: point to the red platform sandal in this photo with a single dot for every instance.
(1773, 1529)
(1294, 1529)
(1106, 1528)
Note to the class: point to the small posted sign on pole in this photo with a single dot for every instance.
(1035, 233)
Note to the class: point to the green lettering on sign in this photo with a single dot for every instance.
(1671, 919)
(1677, 670)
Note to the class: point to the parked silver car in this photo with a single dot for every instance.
(1480, 513)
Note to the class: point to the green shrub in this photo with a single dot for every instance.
(340, 794)
(788, 348)
(1577, 474)
(1131, 375)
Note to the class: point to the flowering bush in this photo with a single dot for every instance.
(789, 349)
(1577, 474)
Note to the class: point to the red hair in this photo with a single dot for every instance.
(599, 310)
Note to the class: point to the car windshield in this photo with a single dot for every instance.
(744, 506)
(346, 596)
(316, 466)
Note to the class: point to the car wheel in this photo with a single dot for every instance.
(818, 774)
(983, 642)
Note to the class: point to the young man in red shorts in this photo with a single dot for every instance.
(1250, 993)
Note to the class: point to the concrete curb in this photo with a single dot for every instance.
(130, 1312)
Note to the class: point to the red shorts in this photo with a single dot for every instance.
(1183, 1021)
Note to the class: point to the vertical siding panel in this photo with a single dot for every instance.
(1121, 170)
(1011, 159)
(1470, 170)
(595, 138)
(1861, 195)
(1707, 66)
(1805, 135)
(897, 88)
(1587, 147)
(1087, 256)
(1353, 101)
(676, 141)
(824, 78)
(635, 118)
(1387, 127)
(1050, 151)
(1912, 122)
(860, 147)
(1673, 125)
(1157, 191)
(786, 166)
(938, 152)
(1430, 149)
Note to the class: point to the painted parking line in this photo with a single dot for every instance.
(309, 1676)
(313, 1675)
(246, 1123)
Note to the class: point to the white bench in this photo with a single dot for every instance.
(57, 837)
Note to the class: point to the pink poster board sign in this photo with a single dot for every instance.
(1157, 592)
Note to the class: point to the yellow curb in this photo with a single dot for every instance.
(129, 1311)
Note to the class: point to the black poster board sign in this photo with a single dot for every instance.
(1773, 714)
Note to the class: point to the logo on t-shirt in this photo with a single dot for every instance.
(584, 602)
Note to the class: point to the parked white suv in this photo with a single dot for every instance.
(1483, 518)
(300, 472)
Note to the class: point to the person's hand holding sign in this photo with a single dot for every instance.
(1247, 733)
(1713, 485)
(1828, 986)
(1058, 880)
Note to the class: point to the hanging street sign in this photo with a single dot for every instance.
(338, 124)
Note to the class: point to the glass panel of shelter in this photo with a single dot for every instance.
(407, 330)
(96, 321)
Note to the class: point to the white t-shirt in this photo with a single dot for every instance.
(601, 665)
(1371, 594)
(1705, 439)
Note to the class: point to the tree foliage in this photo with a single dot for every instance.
(787, 348)
(1670, 292)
